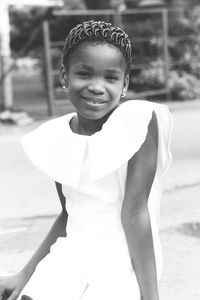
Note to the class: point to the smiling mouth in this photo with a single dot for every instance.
(94, 101)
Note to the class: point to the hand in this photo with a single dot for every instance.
(11, 287)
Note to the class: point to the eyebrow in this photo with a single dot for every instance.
(114, 71)
(110, 71)
(83, 66)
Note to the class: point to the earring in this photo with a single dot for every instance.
(123, 94)
(65, 87)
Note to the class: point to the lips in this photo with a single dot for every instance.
(94, 100)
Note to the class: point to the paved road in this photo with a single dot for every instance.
(185, 169)
(186, 134)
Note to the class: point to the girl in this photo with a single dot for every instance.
(108, 162)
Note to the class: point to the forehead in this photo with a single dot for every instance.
(98, 56)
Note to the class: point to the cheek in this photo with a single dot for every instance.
(74, 85)
(75, 82)
(117, 89)
(115, 93)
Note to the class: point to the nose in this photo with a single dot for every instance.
(96, 87)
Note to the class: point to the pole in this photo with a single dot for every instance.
(166, 50)
(5, 54)
(48, 69)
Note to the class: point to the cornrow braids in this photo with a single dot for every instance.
(91, 31)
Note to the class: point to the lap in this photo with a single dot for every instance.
(63, 275)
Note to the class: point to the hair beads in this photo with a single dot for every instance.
(98, 31)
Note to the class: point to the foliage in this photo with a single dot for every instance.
(146, 33)
(184, 86)
(23, 23)
(150, 78)
(184, 56)
(25, 20)
(184, 46)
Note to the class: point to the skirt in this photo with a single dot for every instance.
(90, 271)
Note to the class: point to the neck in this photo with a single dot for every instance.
(84, 126)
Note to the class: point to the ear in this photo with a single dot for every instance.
(126, 83)
(63, 76)
(125, 86)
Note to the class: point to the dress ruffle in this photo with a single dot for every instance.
(57, 151)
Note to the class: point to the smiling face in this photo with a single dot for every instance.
(96, 77)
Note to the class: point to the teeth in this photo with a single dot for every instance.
(93, 102)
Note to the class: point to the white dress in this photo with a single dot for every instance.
(93, 262)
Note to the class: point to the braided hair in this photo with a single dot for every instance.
(97, 31)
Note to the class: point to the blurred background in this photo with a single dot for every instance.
(165, 36)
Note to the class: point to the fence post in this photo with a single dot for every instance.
(117, 18)
(5, 57)
(166, 50)
(48, 69)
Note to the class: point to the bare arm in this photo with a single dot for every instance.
(11, 287)
(135, 215)
(57, 230)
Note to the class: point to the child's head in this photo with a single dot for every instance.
(95, 65)
(97, 32)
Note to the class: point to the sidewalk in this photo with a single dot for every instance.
(21, 232)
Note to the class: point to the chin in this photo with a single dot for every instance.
(92, 115)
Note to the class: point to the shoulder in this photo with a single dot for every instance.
(48, 129)
(142, 106)
(135, 112)
(143, 113)
(51, 148)
(131, 114)
(46, 138)
(55, 122)
(139, 116)
(158, 121)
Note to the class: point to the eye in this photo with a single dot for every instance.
(112, 78)
(84, 74)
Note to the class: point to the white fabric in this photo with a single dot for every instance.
(93, 262)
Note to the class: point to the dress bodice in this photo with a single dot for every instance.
(94, 208)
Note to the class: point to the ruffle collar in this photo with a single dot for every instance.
(60, 153)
